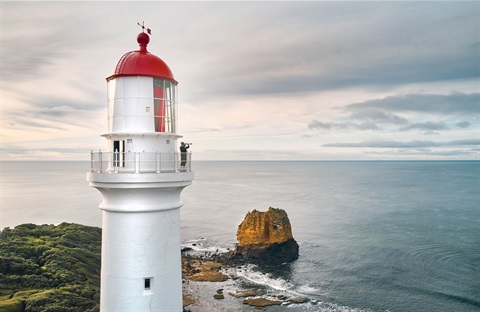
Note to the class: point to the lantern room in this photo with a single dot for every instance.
(142, 116)
(142, 93)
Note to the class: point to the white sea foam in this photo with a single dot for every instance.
(332, 307)
(199, 246)
(248, 273)
(307, 289)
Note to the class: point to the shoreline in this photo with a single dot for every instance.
(62, 263)
(211, 283)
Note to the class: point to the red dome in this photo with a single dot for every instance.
(142, 63)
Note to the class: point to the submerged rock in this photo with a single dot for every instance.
(281, 297)
(266, 238)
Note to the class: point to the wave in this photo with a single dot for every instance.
(274, 286)
(333, 307)
(440, 261)
(200, 246)
(473, 302)
(250, 273)
(307, 289)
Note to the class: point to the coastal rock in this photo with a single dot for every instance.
(298, 300)
(246, 293)
(261, 302)
(266, 238)
(188, 300)
(202, 271)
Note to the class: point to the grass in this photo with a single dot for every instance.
(10, 305)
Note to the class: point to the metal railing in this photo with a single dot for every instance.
(139, 162)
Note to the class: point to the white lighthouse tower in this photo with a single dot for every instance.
(140, 179)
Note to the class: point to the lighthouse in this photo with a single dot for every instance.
(140, 177)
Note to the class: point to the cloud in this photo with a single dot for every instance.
(317, 46)
(463, 124)
(367, 125)
(263, 154)
(321, 125)
(19, 150)
(395, 112)
(425, 152)
(406, 144)
(51, 117)
(428, 126)
(204, 130)
(456, 103)
(376, 115)
(34, 44)
(269, 76)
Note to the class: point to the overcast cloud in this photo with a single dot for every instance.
(257, 80)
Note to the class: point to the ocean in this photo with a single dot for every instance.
(373, 235)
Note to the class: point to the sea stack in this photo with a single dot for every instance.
(266, 238)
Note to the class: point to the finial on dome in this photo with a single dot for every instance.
(143, 39)
(149, 31)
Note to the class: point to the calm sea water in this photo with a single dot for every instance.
(373, 236)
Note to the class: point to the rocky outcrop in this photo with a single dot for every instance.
(266, 238)
(261, 302)
(202, 271)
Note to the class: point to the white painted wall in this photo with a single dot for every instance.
(128, 99)
(149, 142)
(140, 239)
(138, 246)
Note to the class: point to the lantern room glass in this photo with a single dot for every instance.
(164, 105)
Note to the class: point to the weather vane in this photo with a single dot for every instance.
(149, 31)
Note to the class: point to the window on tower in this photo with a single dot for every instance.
(164, 102)
(148, 283)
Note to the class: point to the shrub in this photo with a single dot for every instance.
(51, 268)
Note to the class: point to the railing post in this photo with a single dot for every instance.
(128, 161)
(91, 160)
(100, 159)
(157, 161)
(137, 162)
(175, 162)
(115, 161)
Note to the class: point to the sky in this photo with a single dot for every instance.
(266, 80)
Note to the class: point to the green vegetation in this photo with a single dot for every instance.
(50, 268)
